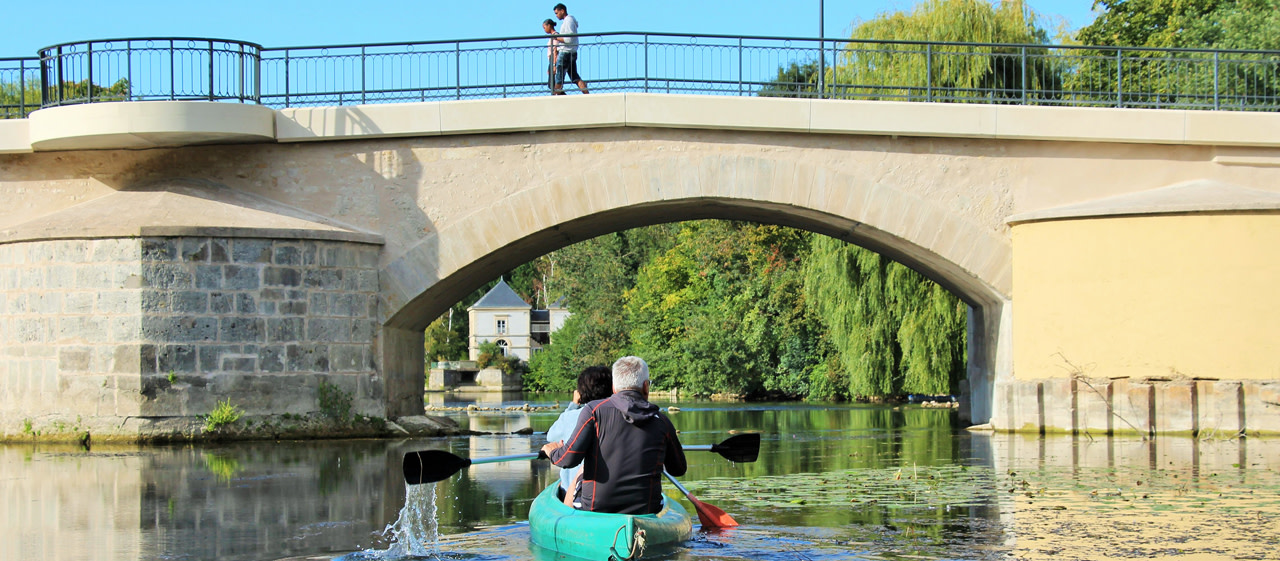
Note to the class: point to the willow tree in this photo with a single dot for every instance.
(884, 59)
(894, 330)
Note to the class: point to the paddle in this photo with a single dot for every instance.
(428, 466)
(709, 515)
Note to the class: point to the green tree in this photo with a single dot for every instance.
(947, 72)
(1157, 79)
(796, 80)
(895, 331)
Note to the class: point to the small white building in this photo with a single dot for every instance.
(503, 317)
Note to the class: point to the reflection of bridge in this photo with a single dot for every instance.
(1137, 244)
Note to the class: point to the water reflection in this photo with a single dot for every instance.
(836, 482)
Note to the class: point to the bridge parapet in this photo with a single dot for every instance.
(1020, 74)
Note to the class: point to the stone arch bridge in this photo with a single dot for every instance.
(157, 257)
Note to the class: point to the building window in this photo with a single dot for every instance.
(503, 345)
(502, 327)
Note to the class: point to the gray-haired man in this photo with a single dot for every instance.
(623, 443)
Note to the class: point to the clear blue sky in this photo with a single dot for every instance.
(283, 23)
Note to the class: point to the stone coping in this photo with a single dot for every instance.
(179, 123)
(1186, 197)
(148, 124)
(185, 207)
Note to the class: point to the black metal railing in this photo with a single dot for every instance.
(222, 70)
(168, 68)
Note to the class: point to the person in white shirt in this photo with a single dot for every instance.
(567, 60)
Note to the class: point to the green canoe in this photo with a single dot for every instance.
(601, 536)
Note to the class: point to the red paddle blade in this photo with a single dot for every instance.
(711, 516)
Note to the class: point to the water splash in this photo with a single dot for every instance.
(415, 533)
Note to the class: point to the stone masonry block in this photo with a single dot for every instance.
(78, 303)
(195, 250)
(159, 249)
(271, 359)
(1093, 397)
(324, 279)
(241, 277)
(1262, 407)
(73, 359)
(281, 276)
(1175, 407)
(1219, 406)
(250, 251)
(285, 330)
(307, 358)
(241, 329)
(167, 276)
(60, 277)
(246, 304)
(221, 303)
(346, 358)
(287, 255)
(91, 329)
(208, 277)
(329, 330)
(1131, 404)
(219, 250)
(347, 305)
(190, 302)
(180, 359)
(1059, 405)
(147, 359)
(292, 308)
(210, 356)
(182, 329)
(126, 359)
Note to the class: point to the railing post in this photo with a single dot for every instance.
(286, 78)
(1119, 78)
(457, 70)
(928, 72)
(1024, 75)
(89, 58)
(1216, 101)
(362, 75)
(211, 88)
(822, 66)
(173, 90)
(62, 93)
(739, 67)
(646, 63)
(240, 93)
(128, 69)
(257, 76)
(22, 88)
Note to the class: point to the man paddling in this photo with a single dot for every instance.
(623, 443)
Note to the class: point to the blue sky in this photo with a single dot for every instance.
(272, 23)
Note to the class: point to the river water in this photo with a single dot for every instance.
(832, 482)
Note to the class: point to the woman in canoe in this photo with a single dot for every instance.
(594, 383)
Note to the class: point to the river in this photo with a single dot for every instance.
(832, 482)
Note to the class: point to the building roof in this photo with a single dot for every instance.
(501, 296)
(559, 304)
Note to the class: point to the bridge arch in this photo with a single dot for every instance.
(973, 262)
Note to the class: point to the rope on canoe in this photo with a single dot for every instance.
(637, 546)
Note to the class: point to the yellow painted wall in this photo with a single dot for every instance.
(1148, 296)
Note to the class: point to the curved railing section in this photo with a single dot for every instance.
(150, 69)
(223, 70)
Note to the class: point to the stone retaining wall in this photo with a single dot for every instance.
(1101, 406)
(141, 336)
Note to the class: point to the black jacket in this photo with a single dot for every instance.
(623, 443)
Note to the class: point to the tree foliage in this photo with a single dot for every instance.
(947, 72)
(1159, 79)
(895, 331)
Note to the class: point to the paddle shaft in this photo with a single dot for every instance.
(510, 458)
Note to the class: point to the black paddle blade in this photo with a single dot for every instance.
(429, 466)
(740, 448)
